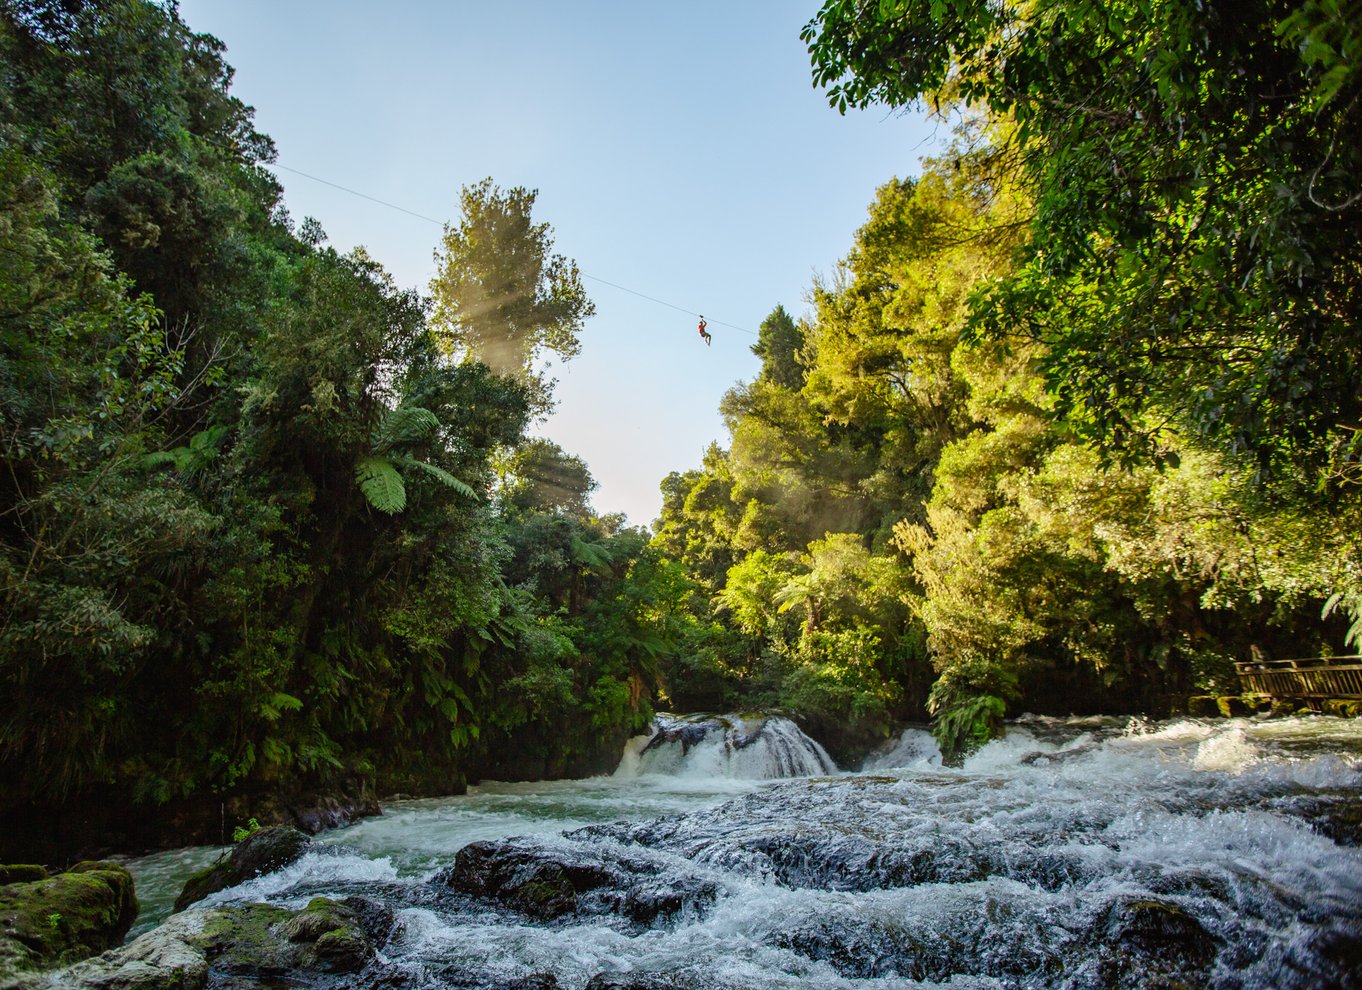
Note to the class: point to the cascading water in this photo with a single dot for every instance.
(912, 748)
(1072, 854)
(744, 747)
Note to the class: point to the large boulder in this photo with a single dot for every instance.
(46, 922)
(1152, 944)
(547, 882)
(242, 946)
(262, 852)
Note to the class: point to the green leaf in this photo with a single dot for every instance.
(404, 425)
(440, 475)
(381, 484)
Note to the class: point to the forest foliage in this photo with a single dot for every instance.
(1078, 420)
(1075, 423)
(269, 521)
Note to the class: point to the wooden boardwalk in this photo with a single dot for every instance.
(1310, 679)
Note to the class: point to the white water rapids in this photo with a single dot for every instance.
(1078, 853)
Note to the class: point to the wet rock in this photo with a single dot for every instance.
(1334, 812)
(242, 946)
(255, 940)
(550, 882)
(332, 812)
(867, 952)
(878, 949)
(535, 981)
(261, 852)
(166, 958)
(688, 730)
(60, 919)
(636, 981)
(1328, 959)
(1154, 945)
(832, 836)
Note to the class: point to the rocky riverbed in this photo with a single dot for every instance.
(1073, 854)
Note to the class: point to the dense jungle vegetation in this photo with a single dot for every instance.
(1075, 424)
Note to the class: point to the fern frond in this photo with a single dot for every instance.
(158, 458)
(593, 555)
(403, 425)
(439, 474)
(207, 440)
(381, 484)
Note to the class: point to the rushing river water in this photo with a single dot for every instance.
(1079, 853)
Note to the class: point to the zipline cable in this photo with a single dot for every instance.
(440, 224)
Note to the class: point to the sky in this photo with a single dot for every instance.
(679, 150)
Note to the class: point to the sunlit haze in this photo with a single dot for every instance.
(680, 151)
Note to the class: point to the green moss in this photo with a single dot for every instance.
(1343, 707)
(547, 896)
(321, 916)
(242, 936)
(67, 917)
(249, 938)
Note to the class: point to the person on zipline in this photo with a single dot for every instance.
(703, 333)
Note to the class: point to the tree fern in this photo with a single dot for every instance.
(404, 425)
(439, 474)
(192, 458)
(596, 556)
(381, 484)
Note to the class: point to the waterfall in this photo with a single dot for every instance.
(914, 748)
(744, 747)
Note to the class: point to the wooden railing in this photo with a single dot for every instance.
(1315, 677)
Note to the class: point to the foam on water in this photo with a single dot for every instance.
(742, 747)
(1011, 871)
(913, 747)
(324, 869)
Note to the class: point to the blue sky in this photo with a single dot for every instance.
(679, 150)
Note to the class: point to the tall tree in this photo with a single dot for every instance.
(502, 296)
(778, 341)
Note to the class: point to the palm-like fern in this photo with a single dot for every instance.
(377, 472)
(193, 457)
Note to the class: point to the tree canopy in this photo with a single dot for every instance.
(502, 296)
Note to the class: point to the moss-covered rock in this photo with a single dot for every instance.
(21, 873)
(1343, 707)
(326, 937)
(1203, 706)
(321, 947)
(261, 852)
(60, 919)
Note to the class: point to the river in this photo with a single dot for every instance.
(1072, 853)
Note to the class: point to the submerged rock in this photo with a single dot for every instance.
(548, 882)
(261, 852)
(1153, 945)
(635, 981)
(46, 922)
